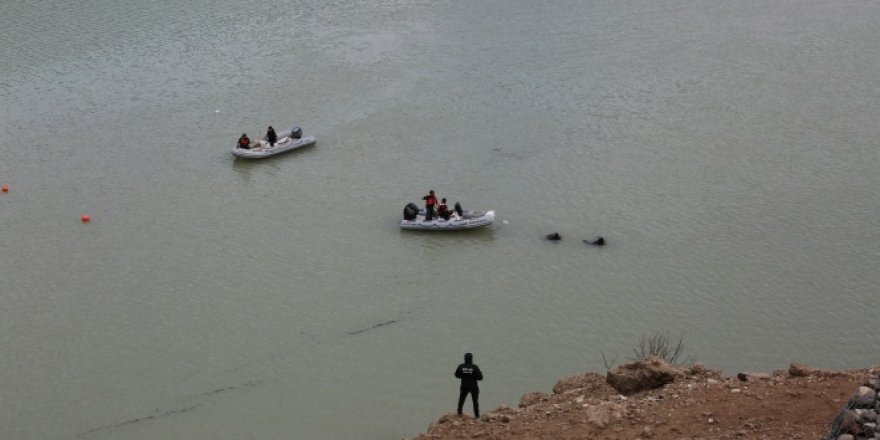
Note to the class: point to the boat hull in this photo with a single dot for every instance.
(469, 220)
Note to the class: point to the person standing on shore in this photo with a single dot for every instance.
(469, 373)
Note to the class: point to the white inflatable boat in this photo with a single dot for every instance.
(288, 140)
(457, 221)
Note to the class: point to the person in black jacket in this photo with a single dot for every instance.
(469, 373)
(271, 137)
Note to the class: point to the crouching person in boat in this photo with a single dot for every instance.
(443, 210)
(244, 142)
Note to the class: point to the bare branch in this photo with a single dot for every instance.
(659, 345)
(605, 360)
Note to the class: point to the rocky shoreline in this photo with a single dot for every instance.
(651, 399)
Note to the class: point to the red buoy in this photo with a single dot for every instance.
(4, 188)
(86, 218)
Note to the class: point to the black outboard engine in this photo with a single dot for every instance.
(410, 211)
(458, 210)
(296, 133)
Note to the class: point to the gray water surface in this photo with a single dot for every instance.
(728, 152)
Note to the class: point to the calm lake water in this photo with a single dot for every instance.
(728, 152)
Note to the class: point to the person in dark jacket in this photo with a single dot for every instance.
(271, 137)
(469, 373)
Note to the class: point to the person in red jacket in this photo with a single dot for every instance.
(430, 201)
(443, 210)
(244, 142)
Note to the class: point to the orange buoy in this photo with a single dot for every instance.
(4, 188)
(86, 218)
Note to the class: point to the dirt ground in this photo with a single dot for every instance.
(798, 403)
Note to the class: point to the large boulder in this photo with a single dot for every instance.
(865, 397)
(643, 374)
(533, 398)
(587, 384)
(800, 370)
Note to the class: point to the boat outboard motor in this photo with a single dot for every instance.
(296, 133)
(458, 210)
(410, 211)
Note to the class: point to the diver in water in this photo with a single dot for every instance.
(598, 242)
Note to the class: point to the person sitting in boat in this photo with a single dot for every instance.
(271, 137)
(244, 142)
(443, 210)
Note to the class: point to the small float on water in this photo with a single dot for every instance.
(288, 140)
(458, 219)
